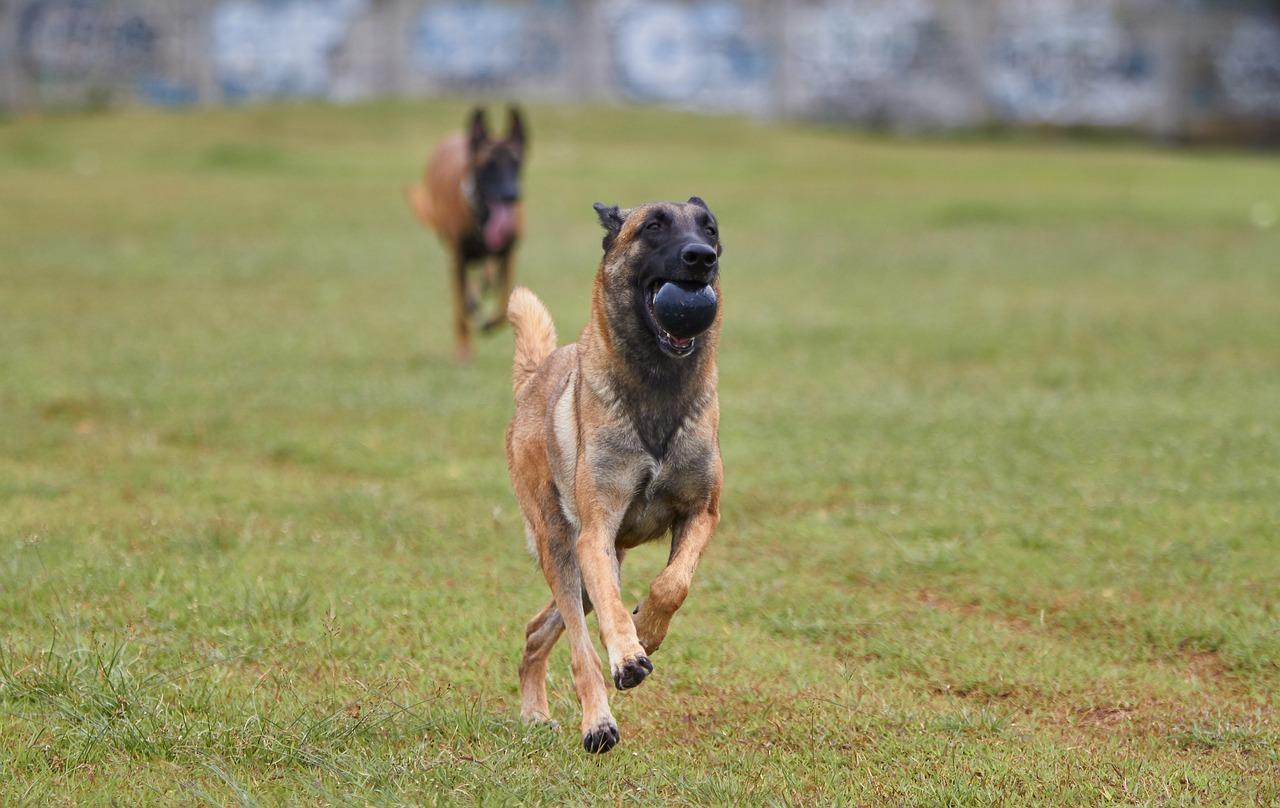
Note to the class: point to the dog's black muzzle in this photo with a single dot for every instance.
(697, 257)
(679, 298)
(692, 262)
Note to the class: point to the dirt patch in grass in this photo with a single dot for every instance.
(933, 600)
(1206, 666)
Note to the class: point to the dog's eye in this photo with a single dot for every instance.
(654, 225)
(711, 231)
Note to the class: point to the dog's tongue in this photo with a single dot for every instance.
(501, 226)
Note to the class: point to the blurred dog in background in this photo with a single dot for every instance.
(470, 196)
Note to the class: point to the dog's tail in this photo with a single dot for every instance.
(419, 202)
(535, 335)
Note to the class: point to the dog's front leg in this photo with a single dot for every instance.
(669, 589)
(598, 560)
(461, 326)
(599, 730)
(504, 280)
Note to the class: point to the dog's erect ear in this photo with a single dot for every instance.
(477, 130)
(611, 219)
(610, 216)
(516, 132)
(697, 200)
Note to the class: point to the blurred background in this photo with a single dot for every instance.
(1174, 70)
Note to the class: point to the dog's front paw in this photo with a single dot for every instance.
(601, 738)
(631, 672)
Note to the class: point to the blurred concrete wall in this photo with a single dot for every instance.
(1184, 68)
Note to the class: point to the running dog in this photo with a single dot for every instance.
(613, 444)
(470, 195)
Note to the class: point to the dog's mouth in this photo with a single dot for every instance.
(500, 228)
(669, 343)
(679, 313)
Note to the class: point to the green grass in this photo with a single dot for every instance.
(1001, 429)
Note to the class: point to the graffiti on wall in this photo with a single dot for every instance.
(838, 44)
(1249, 67)
(873, 60)
(488, 43)
(280, 48)
(904, 62)
(1057, 62)
(693, 54)
(85, 40)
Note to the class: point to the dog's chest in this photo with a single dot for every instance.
(666, 490)
(648, 493)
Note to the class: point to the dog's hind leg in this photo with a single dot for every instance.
(689, 540)
(540, 637)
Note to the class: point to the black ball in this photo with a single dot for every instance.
(685, 310)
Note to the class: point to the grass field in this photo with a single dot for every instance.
(1001, 429)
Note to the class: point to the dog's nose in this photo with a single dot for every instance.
(698, 256)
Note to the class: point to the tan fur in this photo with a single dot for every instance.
(419, 203)
(535, 334)
(438, 199)
(590, 489)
